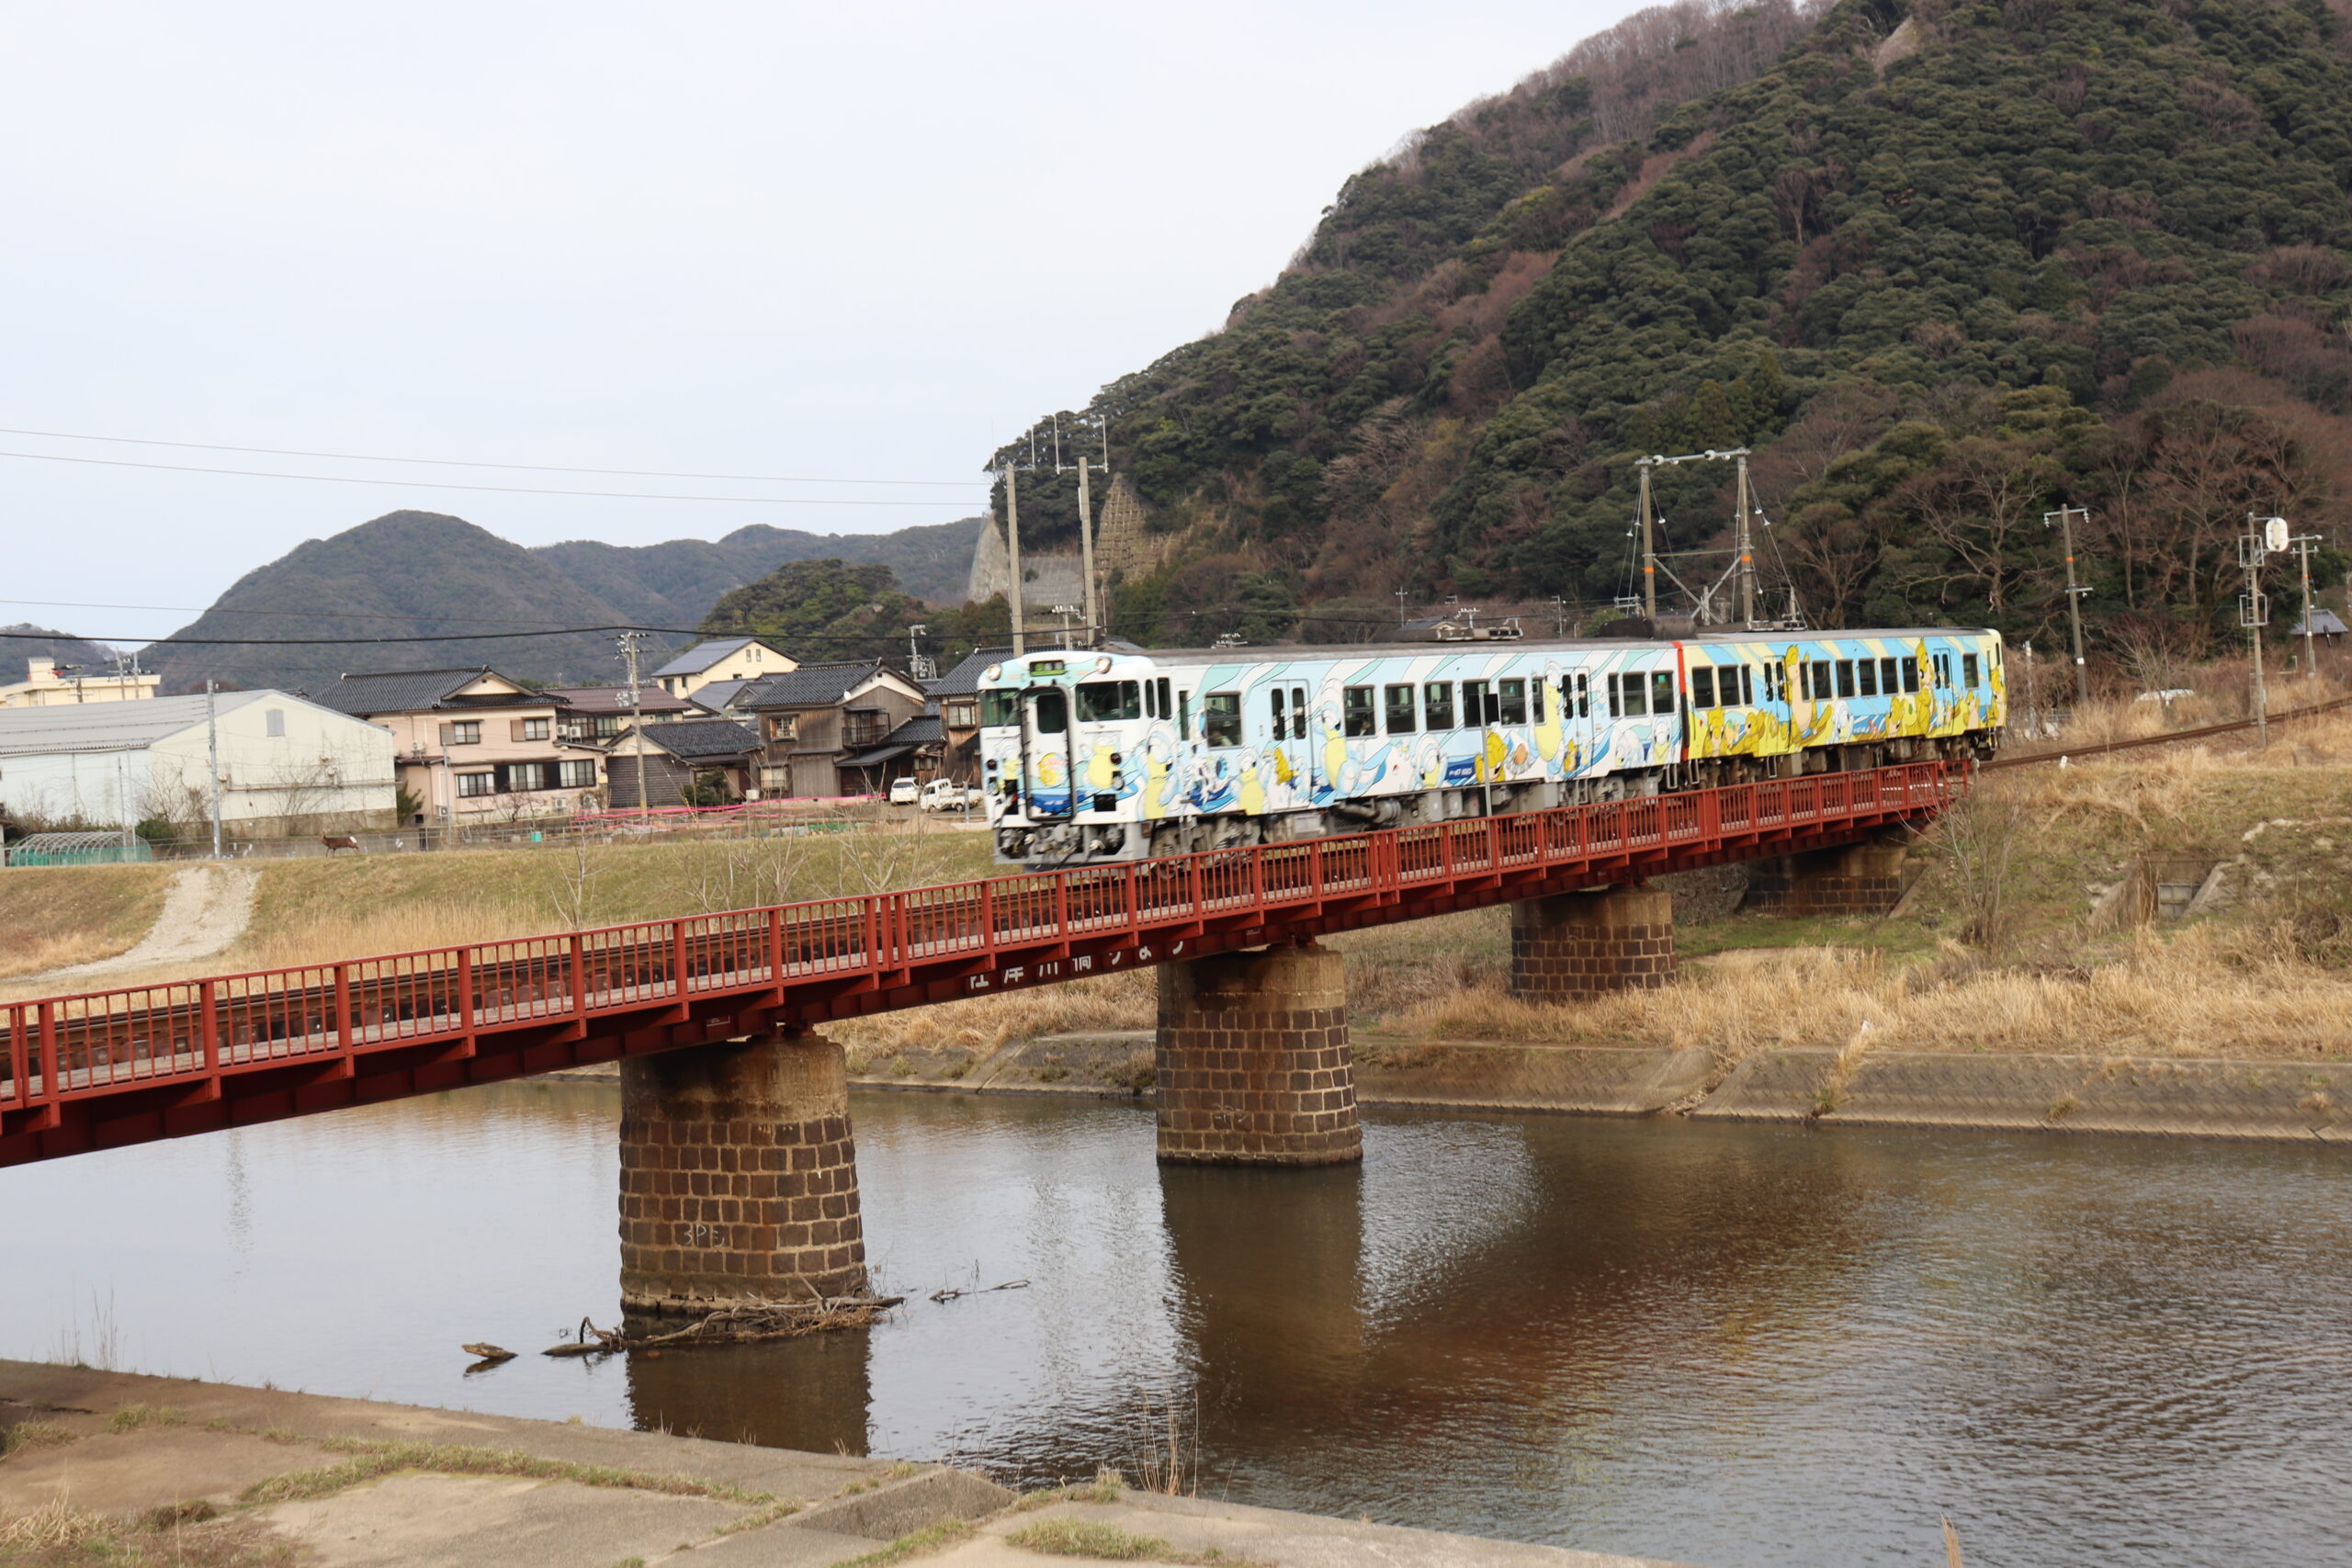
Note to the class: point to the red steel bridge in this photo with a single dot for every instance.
(108, 1068)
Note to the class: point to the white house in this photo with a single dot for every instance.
(727, 658)
(286, 765)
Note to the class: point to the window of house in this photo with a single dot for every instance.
(1511, 700)
(1107, 702)
(576, 773)
(530, 729)
(1968, 670)
(1221, 718)
(1355, 712)
(998, 708)
(1398, 700)
(774, 782)
(1845, 677)
(471, 784)
(462, 732)
(1437, 705)
(1866, 677)
(1661, 691)
(273, 721)
(962, 716)
(607, 726)
(1477, 704)
(1703, 687)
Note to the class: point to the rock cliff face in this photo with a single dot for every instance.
(1124, 548)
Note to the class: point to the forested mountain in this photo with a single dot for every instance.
(1944, 264)
(421, 574)
(828, 610)
(27, 640)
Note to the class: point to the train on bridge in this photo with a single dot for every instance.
(1092, 756)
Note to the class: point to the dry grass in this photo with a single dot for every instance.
(74, 914)
(59, 1535)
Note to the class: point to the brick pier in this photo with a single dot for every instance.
(1574, 946)
(1252, 1062)
(1859, 879)
(738, 1177)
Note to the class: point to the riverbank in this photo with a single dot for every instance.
(110, 1468)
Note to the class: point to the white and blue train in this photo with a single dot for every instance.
(1090, 756)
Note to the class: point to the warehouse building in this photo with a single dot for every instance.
(286, 765)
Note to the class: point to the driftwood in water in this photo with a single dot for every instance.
(488, 1351)
(736, 1325)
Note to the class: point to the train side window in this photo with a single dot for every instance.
(1584, 696)
(1535, 697)
(1151, 701)
(1221, 718)
(1703, 687)
(1183, 715)
(1355, 712)
(1889, 678)
(1298, 713)
(1845, 677)
(1629, 703)
(1399, 702)
(1510, 701)
(1748, 686)
(1662, 690)
(1052, 711)
(1437, 705)
(1968, 670)
(1280, 710)
(1819, 690)
(1866, 677)
(1910, 675)
(1474, 699)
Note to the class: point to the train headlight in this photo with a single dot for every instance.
(1103, 665)
(993, 672)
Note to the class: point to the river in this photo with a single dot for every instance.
(1727, 1346)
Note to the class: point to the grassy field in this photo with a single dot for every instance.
(2009, 940)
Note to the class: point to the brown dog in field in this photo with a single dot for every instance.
(335, 841)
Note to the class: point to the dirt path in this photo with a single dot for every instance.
(207, 910)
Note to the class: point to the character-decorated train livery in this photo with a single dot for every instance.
(1090, 756)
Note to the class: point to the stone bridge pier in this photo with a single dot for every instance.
(1252, 1064)
(1855, 879)
(738, 1175)
(1574, 946)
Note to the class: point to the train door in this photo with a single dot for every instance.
(1574, 694)
(1287, 746)
(1046, 752)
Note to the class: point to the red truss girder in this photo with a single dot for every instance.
(197, 1055)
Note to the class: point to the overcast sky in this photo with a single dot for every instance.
(840, 242)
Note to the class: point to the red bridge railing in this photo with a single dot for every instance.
(60, 1049)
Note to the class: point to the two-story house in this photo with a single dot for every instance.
(725, 658)
(956, 695)
(600, 713)
(811, 719)
(472, 746)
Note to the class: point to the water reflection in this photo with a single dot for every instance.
(1714, 1345)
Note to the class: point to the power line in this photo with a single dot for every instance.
(445, 484)
(463, 463)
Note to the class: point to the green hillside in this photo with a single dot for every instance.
(1942, 265)
(419, 574)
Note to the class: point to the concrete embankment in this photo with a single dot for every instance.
(2057, 1091)
(104, 1467)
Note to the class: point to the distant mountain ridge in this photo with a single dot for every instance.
(29, 641)
(415, 574)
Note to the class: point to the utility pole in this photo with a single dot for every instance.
(2304, 544)
(2064, 517)
(1649, 551)
(1746, 547)
(2263, 535)
(1065, 612)
(1400, 609)
(630, 642)
(213, 756)
(1012, 548)
(1095, 627)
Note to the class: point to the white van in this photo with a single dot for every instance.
(903, 792)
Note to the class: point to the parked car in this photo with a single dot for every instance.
(946, 794)
(903, 792)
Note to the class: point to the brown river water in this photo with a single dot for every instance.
(1720, 1345)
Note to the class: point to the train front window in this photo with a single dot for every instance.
(1052, 710)
(1398, 700)
(1511, 697)
(1221, 718)
(1355, 711)
(1437, 705)
(999, 709)
(1104, 702)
